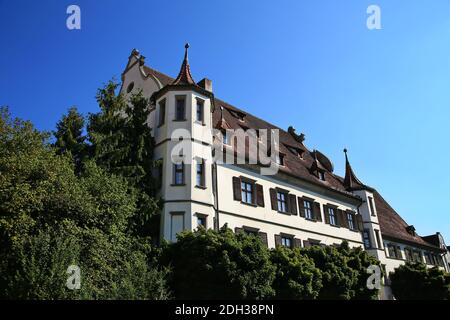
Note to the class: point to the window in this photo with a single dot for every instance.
(351, 222)
(279, 158)
(417, 256)
(286, 242)
(178, 173)
(200, 182)
(378, 239)
(130, 87)
(428, 258)
(372, 208)
(321, 175)
(294, 151)
(160, 171)
(201, 221)
(308, 209)
(366, 238)
(251, 232)
(162, 112)
(176, 224)
(247, 192)
(282, 202)
(180, 109)
(225, 137)
(332, 216)
(392, 251)
(408, 254)
(199, 116)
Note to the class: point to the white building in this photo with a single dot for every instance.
(304, 204)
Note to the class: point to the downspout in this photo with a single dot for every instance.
(216, 197)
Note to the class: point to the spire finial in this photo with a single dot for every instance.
(186, 47)
(184, 76)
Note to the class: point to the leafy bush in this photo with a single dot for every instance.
(296, 275)
(219, 265)
(414, 281)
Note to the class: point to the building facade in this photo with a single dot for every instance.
(304, 203)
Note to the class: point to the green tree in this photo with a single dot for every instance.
(69, 136)
(50, 218)
(207, 264)
(123, 145)
(297, 278)
(344, 272)
(414, 281)
(359, 260)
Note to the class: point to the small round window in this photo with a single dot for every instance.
(130, 87)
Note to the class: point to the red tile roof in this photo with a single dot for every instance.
(392, 225)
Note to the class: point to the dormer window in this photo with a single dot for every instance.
(295, 151)
(321, 175)
(411, 230)
(225, 138)
(237, 114)
(279, 159)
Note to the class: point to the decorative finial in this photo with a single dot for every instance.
(345, 150)
(186, 47)
(184, 76)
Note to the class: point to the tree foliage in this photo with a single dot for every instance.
(122, 144)
(69, 136)
(51, 218)
(220, 265)
(414, 281)
(297, 277)
(344, 272)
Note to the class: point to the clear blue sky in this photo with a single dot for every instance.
(383, 94)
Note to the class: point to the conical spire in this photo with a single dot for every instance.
(184, 77)
(350, 180)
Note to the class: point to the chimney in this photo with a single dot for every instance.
(206, 84)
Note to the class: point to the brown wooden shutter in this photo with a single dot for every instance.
(398, 252)
(343, 219)
(317, 215)
(273, 199)
(325, 213)
(300, 207)
(292, 204)
(359, 223)
(259, 195)
(263, 237)
(338, 213)
(306, 244)
(277, 240)
(237, 188)
(297, 243)
(238, 230)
